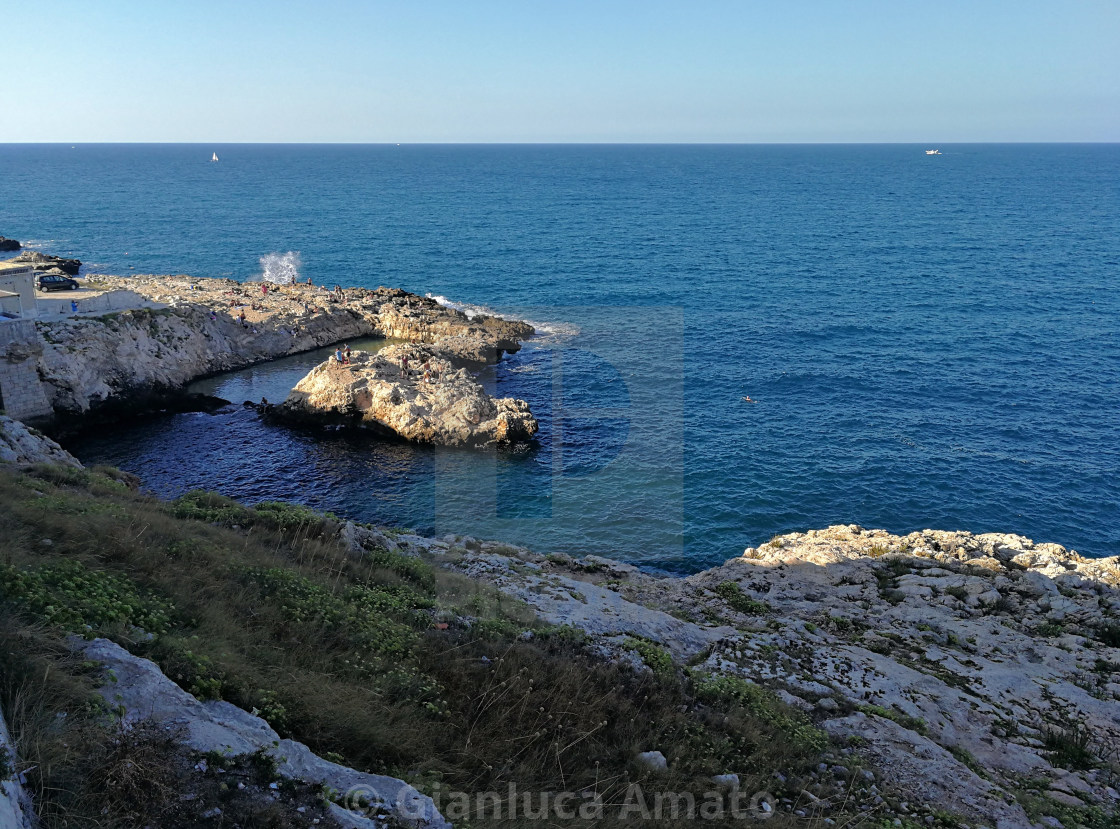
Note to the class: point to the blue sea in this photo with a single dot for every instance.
(930, 341)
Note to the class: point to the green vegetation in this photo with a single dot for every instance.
(905, 720)
(1049, 629)
(1108, 634)
(957, 592)
(380, 661)
(788, 723)
(1070, 747)
(656, 658)
(736, 599)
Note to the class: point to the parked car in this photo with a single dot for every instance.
(53, 282)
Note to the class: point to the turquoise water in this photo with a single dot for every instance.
(932, 341)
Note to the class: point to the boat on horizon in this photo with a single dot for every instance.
(928, 152)
(214, 157)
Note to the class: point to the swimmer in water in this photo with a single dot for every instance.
(749, 400)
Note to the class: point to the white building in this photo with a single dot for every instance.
(17, 291)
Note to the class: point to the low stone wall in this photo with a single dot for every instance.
(102, 303)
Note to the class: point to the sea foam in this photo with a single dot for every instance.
(281, 268)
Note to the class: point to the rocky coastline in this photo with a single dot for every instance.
(95, 368)
(946, 679)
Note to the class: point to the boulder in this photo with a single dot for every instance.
(138, 688)
(371, 392)
(654, 760)
(7, 244)
(16, 809)
(20, 444)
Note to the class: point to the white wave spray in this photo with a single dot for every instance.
(281, 268)
(546, 331)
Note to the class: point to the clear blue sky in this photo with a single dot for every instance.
(567, 70)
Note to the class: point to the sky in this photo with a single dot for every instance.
(771, 71)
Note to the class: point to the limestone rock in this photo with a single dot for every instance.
(943, 632)
(21, 445)
(371, 392)
(653, 760)
(16, 809)
(925, 771)
(146, 694)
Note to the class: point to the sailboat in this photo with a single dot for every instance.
(928, 152)
(214, 157)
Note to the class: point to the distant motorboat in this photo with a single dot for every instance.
(928, 152)
(214, 157)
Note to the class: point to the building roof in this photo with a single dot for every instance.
(9, 265)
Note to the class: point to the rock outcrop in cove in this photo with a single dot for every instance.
(432, 402)
(7, 244)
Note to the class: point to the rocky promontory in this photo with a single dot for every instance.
(409, 391)
(197, 327)
(7, 244)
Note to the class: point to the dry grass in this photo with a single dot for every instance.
(344, 653)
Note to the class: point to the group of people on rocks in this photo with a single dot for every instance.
(430, 371)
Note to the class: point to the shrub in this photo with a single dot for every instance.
(765, 705)
(1070, 747)
(905, 720)
(374, 618)
(736, 599)
(296, 518)
(200, 505)
(1049, 629)
(408, 568)
(70, 596)
(656, 658)
(957, 592)
(1108, 634)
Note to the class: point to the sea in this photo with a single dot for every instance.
(734, 341)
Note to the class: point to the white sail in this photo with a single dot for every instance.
(215, 157)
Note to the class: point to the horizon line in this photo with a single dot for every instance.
(553, 143)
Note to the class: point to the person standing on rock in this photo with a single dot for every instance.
(346, 352)
(404, 365)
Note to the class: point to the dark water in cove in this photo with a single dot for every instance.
(932, 341)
